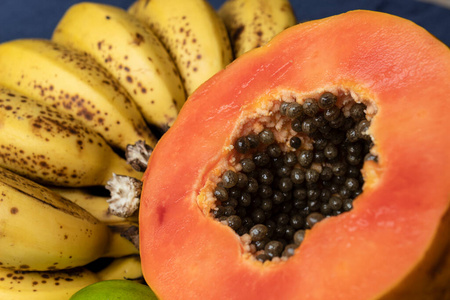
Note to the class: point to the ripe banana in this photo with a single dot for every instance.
(125, 268)
(133, 55)
(193, 33)
(52, 147)
(73, 82)
(119, 244)
(94, 204)
(252, 23)
(39, 230)
(50, 285)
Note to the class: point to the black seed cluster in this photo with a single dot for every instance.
(278, 195)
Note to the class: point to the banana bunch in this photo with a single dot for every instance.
(47, 240)
(252, 23)
(133, 55)
(41, 230)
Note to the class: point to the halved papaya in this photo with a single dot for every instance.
(393, 239)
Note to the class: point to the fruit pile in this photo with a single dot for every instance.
(80, 115)
(141, 159)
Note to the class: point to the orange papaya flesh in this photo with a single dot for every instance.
(393, 244)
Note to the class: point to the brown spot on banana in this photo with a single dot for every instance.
(138, 39)
(99, 44)
(86, 114)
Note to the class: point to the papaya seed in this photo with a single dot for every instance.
(282, 189)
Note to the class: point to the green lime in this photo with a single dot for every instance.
(115, 290)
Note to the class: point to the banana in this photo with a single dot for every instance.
(94, 204)
(133, 55)
(125, 268)
(73, 82)
(119, 244)
(252, 23)
(193, 33)
(49, 285)
(52, 147)
(39, 230)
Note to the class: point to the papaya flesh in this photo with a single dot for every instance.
(393, 244)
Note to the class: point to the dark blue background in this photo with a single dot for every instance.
(38, 18)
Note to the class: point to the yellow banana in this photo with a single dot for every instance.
(52, 147)
(73, 82)
(119, 244)
(133, 55)
(94, 204)
(39, 230)
(126, 268)
(49, 285)
(252, 23)
(193, 33)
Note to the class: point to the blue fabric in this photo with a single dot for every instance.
(38, 18)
